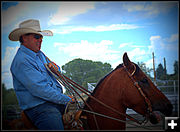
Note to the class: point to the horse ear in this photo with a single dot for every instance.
(127, 63)
(126, 60)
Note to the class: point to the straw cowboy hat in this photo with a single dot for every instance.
(28, 26)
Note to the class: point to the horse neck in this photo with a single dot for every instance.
(111, 90)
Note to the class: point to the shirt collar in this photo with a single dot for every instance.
(29, 52)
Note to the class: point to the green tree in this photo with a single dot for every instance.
(83, 71)
(11, 98)
(174, 76)
(160, 72)
(4, 93)
(145, 69)
(9, 102)
(8, 96)
(176, 69)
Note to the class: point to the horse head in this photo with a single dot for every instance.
(143, 96)
(127, 86)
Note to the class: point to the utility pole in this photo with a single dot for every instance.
(154, 68)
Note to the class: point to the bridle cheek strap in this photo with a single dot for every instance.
(139, 88)
(145, 98)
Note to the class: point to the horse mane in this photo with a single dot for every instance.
(102, 79)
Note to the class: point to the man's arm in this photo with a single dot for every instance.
(38, 84)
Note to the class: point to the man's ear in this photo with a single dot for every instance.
(25, 38)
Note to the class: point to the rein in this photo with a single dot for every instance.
(70, 85)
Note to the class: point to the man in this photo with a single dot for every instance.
(39, 94)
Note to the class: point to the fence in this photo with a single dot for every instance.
(10, 112)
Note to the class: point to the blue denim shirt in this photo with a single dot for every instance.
(33, 83)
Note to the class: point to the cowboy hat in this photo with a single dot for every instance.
(28, 26)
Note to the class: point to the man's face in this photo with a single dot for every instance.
(32, 41)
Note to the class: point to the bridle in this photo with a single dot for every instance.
(69, 84)
(136, 84)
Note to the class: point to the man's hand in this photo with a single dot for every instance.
(72, 99)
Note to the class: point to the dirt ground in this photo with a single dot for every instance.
(130, 125)
(146, 127)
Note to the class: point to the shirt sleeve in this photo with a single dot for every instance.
(38, 84)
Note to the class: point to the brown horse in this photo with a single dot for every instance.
(125, 87)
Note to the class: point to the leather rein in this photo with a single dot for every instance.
(71, 85)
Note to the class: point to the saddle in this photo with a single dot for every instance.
(72, 121)
(72, 118)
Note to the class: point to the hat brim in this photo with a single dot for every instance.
(15, 34)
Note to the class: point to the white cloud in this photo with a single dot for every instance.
(155, 42)
(164, 48)
(100, 28)
(149, 9)
(125, 44)
(173, 38)
(149, 63)
(137, 54)
(67, 10)
(131, 44)
(9, 55)
(6, 63)
(13, 13)
(57, 44)
(99, 51)
(87, 50)
(158, 43)
(154, 37)
(134, 7)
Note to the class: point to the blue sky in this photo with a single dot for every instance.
(99, 31)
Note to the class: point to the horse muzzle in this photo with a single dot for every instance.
(157, 115)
